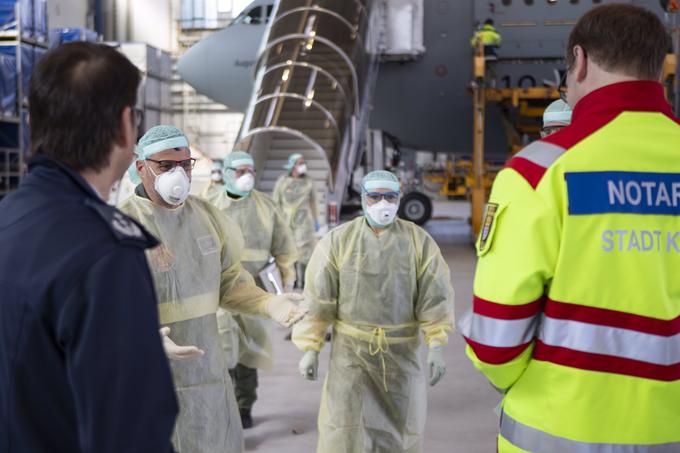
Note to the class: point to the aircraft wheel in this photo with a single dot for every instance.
(416, 207)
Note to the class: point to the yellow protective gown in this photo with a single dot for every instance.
(376, 291)
(211, 190)
(296, 198)
(196, 269)
(266, 234)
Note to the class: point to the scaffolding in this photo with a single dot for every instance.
(522, 111)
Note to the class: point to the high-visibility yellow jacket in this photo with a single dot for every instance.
(488, 35)
(576, 312)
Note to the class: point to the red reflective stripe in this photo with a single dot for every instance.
(605, 363)
(502, 311)
(595, 111)
(612, 318)
(603, 105)
(530, 171)
(494, 355)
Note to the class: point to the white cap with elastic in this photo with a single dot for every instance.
(557, 112)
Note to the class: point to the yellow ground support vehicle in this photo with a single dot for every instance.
(455, 179)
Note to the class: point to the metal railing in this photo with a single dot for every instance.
(314, 81)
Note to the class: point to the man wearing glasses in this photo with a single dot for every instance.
(378, 281)
(81, 363)
(196, 269)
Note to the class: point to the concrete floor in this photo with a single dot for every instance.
(460, 407)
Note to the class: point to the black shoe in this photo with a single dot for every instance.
(246, 418)
(289, 336)
(328, 337)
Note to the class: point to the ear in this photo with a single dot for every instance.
(580, 63)
(140, 168)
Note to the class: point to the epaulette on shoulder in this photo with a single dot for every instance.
(125, 229)
(534, 160)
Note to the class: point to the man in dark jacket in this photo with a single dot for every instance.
(82, 367)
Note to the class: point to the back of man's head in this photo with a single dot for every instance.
(488, 22)
(623, 39)
(77, 95)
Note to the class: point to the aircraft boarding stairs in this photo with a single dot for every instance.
(315, 74)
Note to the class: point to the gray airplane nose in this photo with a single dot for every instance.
(221, 66)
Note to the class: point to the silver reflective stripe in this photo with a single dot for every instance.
(541, 153)
(612, 341)
(536, 441)
(499, 333)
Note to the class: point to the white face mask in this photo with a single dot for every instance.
(173, 186)
(245, 183)
(216, 176)
(383, 213)
(302, 169)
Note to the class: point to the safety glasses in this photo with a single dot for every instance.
(375, 197)
(562, 87)
(549, 130)
(138, 117)
(168, 165)
(137, 121)
(242, 171)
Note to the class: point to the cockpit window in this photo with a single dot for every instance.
(269, 12)
(252, 16)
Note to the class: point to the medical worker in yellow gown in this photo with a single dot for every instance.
(196, 269)
(267, 235)
(377, 281)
